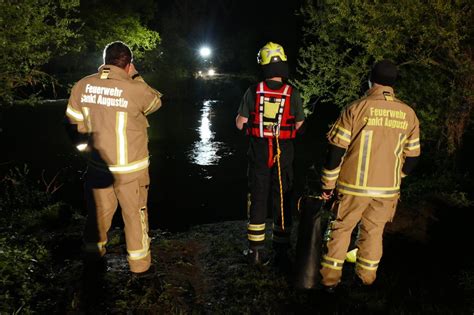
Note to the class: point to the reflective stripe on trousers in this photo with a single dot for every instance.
(103, 198)
(373, 214)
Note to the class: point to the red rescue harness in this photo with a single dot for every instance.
(282, 126)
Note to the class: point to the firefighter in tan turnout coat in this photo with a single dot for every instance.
(372, 146)
(110, 109)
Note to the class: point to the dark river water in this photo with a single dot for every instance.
(198, 157)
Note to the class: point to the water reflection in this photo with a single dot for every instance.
(206, 151)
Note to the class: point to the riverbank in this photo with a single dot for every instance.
(203, 271)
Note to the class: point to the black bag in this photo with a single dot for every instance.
(309, 246)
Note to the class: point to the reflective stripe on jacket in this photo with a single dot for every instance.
(112, 107)
(378, 133)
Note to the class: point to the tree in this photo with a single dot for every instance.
(31, 32)
(109, 21)
(430, 40)
(104, 22)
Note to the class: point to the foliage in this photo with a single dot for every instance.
(31, 226)
(18, 195)
(31, 32)
(44, 42)
(431, 41)
(22, 260)
(104, 26)
(451, 188)
(104, 22)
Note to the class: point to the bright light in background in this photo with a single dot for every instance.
(205, 52)
(211, 72)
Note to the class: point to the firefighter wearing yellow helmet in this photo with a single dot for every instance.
(270, 112)
(271, 53)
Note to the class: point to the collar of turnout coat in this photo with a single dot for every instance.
(380, 90)
(115, 72)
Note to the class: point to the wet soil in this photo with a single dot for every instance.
(203, 271)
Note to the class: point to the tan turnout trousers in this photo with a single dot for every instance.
(103, 197)
(373, 213)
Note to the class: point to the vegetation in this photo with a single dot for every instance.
(40, 39)
(203, 270)
(31, 33)
(431, 41)
(104, 22)
(34, 230)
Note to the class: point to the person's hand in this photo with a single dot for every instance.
(327, 194)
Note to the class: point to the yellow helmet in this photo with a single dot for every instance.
(270, 53)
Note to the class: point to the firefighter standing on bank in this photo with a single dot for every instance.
(374, 143)
(271, 112)
(108, 111)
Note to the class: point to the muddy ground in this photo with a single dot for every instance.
(425, 269)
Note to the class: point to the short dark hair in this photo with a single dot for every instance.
(384, 72)
(117, 54)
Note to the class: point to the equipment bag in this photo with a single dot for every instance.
(309, 246)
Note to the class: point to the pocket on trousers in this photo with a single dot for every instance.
(143, 185)
(392, 210)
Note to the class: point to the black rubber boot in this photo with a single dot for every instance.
(252, 256)
(256, 256)
(148, 274)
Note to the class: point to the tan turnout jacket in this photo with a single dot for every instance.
(112, 108)
(379, 132)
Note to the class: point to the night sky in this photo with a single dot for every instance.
(237, 28)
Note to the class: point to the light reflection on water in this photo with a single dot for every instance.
(206, 151)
